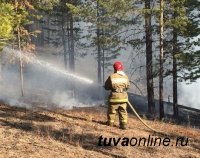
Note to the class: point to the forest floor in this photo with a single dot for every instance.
(40, 132)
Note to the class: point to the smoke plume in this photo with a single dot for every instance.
(189, 94)
(45, 84)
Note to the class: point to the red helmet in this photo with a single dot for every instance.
(118, 66)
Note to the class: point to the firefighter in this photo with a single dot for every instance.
(118, 83)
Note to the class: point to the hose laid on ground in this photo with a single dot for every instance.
(137, 115)
(141, 118)
(135, 112)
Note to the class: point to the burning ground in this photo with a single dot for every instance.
(39, 124)
(56, 132)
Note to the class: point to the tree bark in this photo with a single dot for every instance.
(68, 40)
(20, 55)
(48, 32)
(161, 62)
(149, 68)
(103, 65)
(98, 47)
(174, 52)
(71, 50)
(64, 40)
(72, 59)
(21, 63)
(175, 100)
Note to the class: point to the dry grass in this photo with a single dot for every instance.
(74, 133)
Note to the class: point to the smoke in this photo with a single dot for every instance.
(45, 84)
(64, 100)
(189, 94)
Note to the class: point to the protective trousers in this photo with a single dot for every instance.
(113, 108)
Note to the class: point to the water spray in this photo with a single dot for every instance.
(46, 65)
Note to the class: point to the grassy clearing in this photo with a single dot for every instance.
(41, 133)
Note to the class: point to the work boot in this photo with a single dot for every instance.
(111, 124)
(123, 126)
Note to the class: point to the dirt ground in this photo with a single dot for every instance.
(40, 132)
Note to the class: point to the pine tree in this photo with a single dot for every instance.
(190, 58)
(106, 19)
(149, 64)
(22, 13)
(6, 25)
(179, 22)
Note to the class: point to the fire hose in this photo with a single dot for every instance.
(135, 112)
(141, 120)
(137, 115)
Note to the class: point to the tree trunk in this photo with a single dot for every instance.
(149, 75)
(161, 62)
(174, 52)
(64, 40)
(72, 62)
(103, 67)
(48, 31)
(71, 48)
(175, 74)
(68, 39)
(98, 47)
(21, 64)
(20, 55)
(41, 35)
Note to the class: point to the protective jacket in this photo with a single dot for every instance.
(118, 83)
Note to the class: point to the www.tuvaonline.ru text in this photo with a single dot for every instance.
(149, 141)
